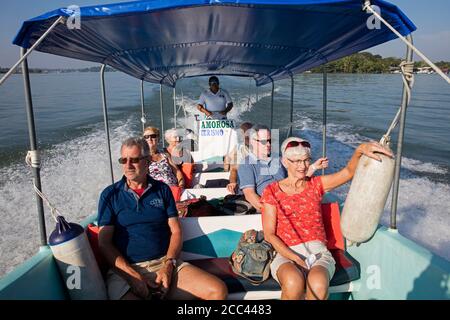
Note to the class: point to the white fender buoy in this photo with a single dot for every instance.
(76, 262)
(366, 198)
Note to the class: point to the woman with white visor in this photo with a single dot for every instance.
(292, 220)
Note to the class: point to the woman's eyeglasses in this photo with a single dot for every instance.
(132, 160)
(297, 162)
(293, 144)
(152, 136)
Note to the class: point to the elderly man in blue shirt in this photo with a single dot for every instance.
(141, 237)
(259, 168)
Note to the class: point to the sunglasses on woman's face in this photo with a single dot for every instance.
(293, 144)
(132, 160)
(150, 136)
(264, 142)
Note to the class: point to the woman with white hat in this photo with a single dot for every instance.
(292, 220)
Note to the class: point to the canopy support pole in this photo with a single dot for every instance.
(401, 133)
(105, 119)
(271, 103)
(175, 106)
(143, 119)
(324, 113)
(292, 107)
(28, 52)
(36, 169)
(161, 105)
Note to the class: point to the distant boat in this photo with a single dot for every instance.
(425, 70)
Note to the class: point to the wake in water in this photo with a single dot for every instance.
(73, 175)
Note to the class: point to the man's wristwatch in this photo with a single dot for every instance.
(173, 261)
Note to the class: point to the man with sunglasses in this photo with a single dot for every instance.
(260, 168)
(141, 238)
(215, 102)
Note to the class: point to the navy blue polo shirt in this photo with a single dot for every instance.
(141, 229)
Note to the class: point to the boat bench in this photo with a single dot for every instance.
(209, 242)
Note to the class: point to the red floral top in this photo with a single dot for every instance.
(299, 216)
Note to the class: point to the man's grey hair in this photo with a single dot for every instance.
(138, 142)
(256, 128)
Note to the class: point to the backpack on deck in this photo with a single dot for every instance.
(252, 257)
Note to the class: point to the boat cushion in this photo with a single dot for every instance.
(176, 192)
(92, 233)
(188, 174)
(332, 222)
(347, 269)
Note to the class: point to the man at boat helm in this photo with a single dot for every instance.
(260, 167)
(141, 237)
(215, 102)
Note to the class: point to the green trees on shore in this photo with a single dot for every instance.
(365, 62)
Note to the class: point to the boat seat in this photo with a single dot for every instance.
(347, 270)
(209, 242)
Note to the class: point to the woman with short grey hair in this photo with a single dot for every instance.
(292, 220)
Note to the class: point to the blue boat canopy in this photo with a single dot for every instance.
(161, 41)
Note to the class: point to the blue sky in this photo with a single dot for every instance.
(431, 18)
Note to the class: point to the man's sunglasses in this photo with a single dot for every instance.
(132, 160)
(293, 144)
(148, 136)
(213, 82)
(264, 142)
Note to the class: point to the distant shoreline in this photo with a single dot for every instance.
(47, 70)
(358, 63)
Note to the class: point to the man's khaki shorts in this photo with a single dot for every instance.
(117, 286)
(323, 257)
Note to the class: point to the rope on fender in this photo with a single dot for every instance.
(33, 160)
(407, 69)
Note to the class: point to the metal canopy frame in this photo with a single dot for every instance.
(401, 134)
(324, 112)
(36, 170)
(106, 120)
(143, 118)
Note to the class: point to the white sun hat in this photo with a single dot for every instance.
(294, 146)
